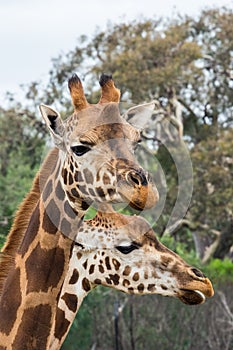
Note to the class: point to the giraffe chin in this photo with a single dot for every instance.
(192, 297)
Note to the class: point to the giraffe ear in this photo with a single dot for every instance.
(54, 123)
(139, 116)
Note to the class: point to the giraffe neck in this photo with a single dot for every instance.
(75, 288)
(76, 285)
(60, 212)
(23, 215)
(30, 291)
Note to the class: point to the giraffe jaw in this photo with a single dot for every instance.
(192, 297)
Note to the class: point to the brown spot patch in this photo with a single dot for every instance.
(44, 268)
(163, 287)
(71, 301)
(74, 278)
(78, 176)
(116, 264)
(71, 180)
(65, 174)
(91, 192)
(101, 269)
(59, 191)
(48, 190)
(10, 301)
(106, 179)
(79, 255)
(111, 192)
(86, 284)
(34, 328)
(65, 227)
(88, 176)
(141, 287)
(97, 281)
(107, 262)
(165, 260)
(51, 217)
(100, 192)
(31, 232)
(151, 287)
(82, 189)
(71, 164)
(75, 193)
(84, 205)
(91, 269)
(127, 271)
(48, 225)
(61, 324)
(126, 283)
(136, 276)
(108, 280)
(115, 278)
(69, 211)
(85, 264)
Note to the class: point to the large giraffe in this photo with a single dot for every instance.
(122, 252)
(93, 161)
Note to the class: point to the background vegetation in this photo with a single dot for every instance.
(149, 58)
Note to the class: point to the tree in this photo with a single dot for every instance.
(182, 62)
(22, 140)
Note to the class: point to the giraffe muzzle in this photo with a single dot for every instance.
(137, 190)
(194, 297)
(203, 290)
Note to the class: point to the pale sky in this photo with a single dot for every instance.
(33, 32)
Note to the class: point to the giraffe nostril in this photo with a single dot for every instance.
(132, 177)
(137, 177)
(198, 273)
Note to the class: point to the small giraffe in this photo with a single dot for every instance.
(93, 161)
(122, 252)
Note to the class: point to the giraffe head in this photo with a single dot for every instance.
(96, 148)
(123, 252)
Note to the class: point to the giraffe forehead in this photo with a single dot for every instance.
(98, 236)
(116, 228)
(105, 132)
(97, 115)
(103, 120)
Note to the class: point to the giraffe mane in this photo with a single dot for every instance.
(22, 216)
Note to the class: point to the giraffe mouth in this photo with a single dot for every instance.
(138, 197)
(192, 297)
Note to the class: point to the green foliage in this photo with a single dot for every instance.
(2, 240)
(147, 57)
(90, 213)
(22, 142)
(220, 271)
(18, 182)
(213, 173)
(151, 321)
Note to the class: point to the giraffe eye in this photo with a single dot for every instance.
(126, 249)
(80, 150)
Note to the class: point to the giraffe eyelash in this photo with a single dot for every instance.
(126, 249)
(80, 150)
